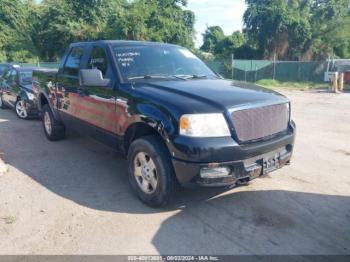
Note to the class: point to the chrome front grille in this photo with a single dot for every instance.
(260, 122)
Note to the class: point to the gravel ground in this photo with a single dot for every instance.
(73, 197)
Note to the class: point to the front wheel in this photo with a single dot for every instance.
(151, 173)
(21, 110)
(54, 130)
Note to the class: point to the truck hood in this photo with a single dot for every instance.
(210, 95)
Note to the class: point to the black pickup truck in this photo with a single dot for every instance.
(176, 121)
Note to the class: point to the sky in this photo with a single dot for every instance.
(228, 14)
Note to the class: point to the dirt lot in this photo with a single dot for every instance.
(72, 197)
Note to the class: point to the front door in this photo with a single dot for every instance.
(99, 103)
(91, 110)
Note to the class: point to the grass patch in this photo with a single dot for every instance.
(269, 83)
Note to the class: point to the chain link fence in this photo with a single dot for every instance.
(285, 71)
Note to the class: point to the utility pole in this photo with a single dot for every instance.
(274, 66)
(232, 65)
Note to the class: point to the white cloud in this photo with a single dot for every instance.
(225, 13)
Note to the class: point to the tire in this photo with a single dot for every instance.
(151, 148)
(54, 130)
(20, 109)
(2, 105)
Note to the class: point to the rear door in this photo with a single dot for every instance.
(67, 97)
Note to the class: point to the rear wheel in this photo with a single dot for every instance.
(151, 173)
(54, 130)
(20, 108)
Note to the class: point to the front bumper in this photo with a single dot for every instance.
(246, 162)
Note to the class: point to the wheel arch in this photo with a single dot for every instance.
(21, 95)
(43, 99)
(140, 129)
(151, 120)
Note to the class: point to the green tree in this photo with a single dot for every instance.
(64, 21)
(227, 46)
(330, 22)
(278, 27)
(211, 37)
(15, 38)
(153, 20)
(296, 29)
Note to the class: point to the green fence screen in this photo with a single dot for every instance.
(254, 70)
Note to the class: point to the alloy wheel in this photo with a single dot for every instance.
(47, 123)
(21, 109)
(145, 173)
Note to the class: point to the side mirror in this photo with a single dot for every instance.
(93, 77)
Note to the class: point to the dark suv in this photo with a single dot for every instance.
(176, 120)
(16, 92)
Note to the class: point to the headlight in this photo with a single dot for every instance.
(30, 96)
(204, 125)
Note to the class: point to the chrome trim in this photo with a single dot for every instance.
(256, 105)
(253, 106)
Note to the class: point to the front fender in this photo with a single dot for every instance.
(23, 95)
(160, 120)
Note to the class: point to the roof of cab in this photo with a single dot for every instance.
(121, 43)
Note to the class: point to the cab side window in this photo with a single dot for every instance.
(98, 60)
(6, 75)
(73, 61)
(12, 76)
(5, 78)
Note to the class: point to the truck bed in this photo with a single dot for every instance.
(44, 79)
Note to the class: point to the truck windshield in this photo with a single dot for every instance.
(159, 62)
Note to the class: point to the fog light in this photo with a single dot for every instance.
(217, 172)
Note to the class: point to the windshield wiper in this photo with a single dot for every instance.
(148, 77)
(182, 77)
(186, 77)
(199, 76)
